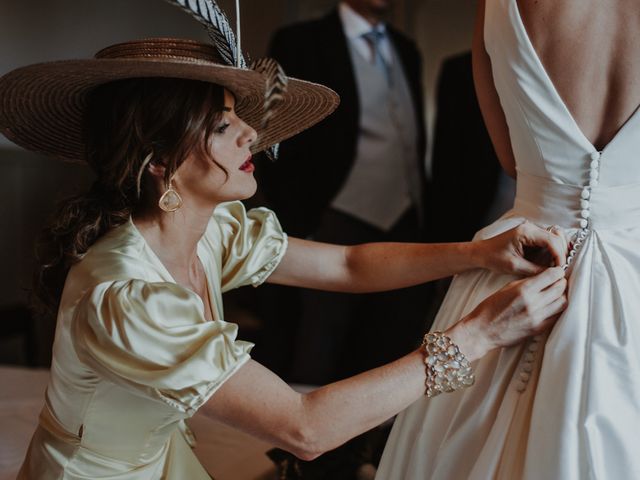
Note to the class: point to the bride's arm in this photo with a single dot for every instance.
(488, 97)
(377, 267)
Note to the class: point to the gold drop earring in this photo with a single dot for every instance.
(170, 201)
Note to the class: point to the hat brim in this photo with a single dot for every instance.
(42, 106)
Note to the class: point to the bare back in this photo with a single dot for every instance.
(591, 52)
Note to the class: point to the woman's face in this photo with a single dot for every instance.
(200, 180)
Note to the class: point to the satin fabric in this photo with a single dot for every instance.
(579, 416)
(134, 355)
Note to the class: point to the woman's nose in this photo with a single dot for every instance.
(250, 135)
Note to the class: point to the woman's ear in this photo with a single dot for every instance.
(156, 169)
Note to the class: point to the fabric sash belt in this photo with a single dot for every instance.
(51, 424)
(547, 202)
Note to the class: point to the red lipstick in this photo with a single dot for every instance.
(248, 165)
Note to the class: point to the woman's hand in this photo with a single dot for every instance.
(524, 250)
(520, 309)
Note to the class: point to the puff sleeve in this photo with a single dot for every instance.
(253, 244)
(153, 338)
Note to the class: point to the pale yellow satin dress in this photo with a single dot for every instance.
(134, 356)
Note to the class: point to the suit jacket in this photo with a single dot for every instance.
(313, 166)
(465, 168)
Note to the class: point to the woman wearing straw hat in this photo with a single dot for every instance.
(144, 256)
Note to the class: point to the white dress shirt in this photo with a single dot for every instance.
(355, 26)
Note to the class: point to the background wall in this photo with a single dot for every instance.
(441, 28)
(42, 30)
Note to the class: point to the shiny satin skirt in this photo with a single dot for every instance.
(579, 416)
(54, 454)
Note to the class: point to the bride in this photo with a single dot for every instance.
(559, 86)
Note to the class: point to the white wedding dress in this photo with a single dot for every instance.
(569, 407)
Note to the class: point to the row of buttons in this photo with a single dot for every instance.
(527, 363)
(529, 356)
(594, 176)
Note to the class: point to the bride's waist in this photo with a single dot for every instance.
(551, 203)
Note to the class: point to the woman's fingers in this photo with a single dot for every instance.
(545, 305)
(544, 279)
(552, 241)
(553, 292)
(525, 267)
(520, 309)
(562, 236)
(556, 307)
(537, 248)
(551, 313)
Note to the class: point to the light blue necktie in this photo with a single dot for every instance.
(374, 38)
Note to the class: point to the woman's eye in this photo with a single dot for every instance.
(222, 128)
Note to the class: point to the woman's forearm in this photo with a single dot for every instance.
(340, 411)
(254, 400)
(258, 402)
(374, 267)
(371, 267)
(386, 266)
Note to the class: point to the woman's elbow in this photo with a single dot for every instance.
(305, 443)
(307, 438)
(306, 455)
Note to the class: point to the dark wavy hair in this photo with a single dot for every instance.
(125, 121)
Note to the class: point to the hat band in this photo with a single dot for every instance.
(162, 49)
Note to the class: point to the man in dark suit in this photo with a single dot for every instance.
(356, 177)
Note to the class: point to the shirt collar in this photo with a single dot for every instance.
(354, 24)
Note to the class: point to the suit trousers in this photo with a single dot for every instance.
(340, 334)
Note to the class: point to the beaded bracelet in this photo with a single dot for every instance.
(447, 368)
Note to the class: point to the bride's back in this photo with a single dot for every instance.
(590, 51)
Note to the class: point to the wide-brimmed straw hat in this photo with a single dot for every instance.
(42, 106)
